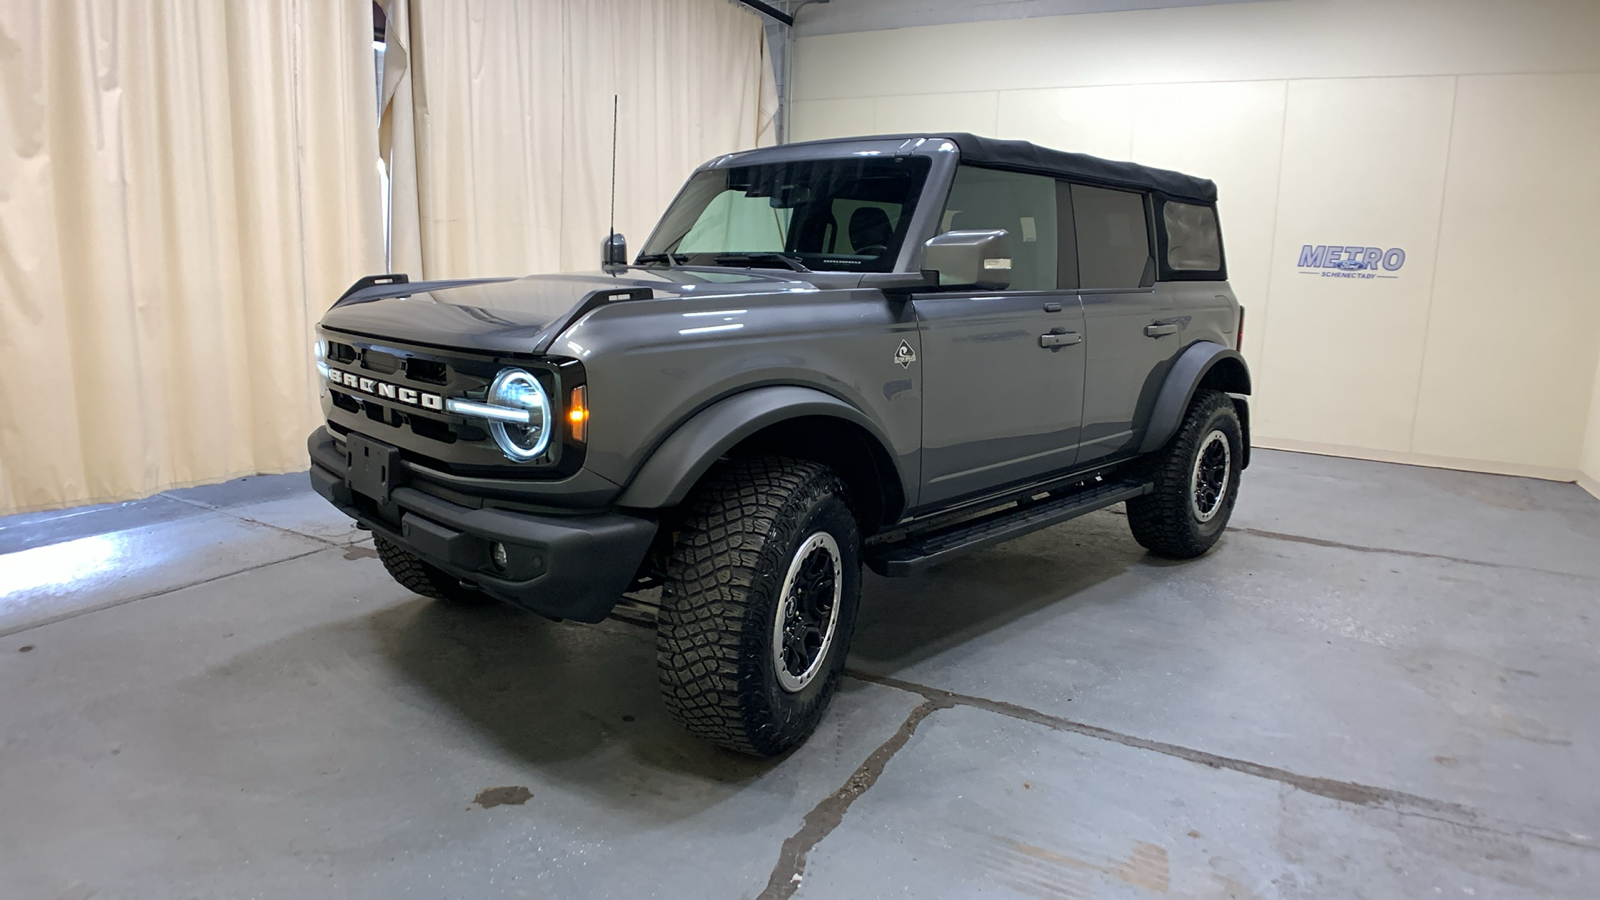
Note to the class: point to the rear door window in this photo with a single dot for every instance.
(1113, 237)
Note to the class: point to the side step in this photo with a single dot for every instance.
(917, 552)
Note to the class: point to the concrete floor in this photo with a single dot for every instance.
(1383, 683)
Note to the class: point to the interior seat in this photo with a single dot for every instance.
(870, 231)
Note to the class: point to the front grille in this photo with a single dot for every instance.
(392, 402)
(429, 371)
(345, 401)
(383, 415)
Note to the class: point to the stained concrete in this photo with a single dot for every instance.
(1383, 683)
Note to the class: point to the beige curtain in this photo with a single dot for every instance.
(184, 186)
(498, 123)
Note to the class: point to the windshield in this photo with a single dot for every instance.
(833, 214)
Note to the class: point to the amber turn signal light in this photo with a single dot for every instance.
(578, 414)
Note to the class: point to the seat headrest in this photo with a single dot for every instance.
(870, 227)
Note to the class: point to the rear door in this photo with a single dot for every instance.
(1132, 328)
(1003, 370)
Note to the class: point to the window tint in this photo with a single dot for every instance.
(1024, 205)
(1192, 240)
(1113, 237)
(829, 214)
(733, 220)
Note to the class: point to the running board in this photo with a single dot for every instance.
(916, 553)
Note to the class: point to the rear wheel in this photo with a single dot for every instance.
(759, 604)
(1196, 481)
(426, 579)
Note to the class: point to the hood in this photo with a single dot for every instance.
(511, 315)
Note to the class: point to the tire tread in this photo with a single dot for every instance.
(1161, 521)
(713, 605)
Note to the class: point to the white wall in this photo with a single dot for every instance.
(1589, 475)
(1464, 132)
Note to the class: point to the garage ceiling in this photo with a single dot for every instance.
(840, 16)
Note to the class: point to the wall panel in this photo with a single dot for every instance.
(818, 119)
(1510, 354)
(1363, 165)
(1093, 120)
(949, 112)
(1461, 132)
(1589, 469)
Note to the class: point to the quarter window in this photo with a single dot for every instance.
(1024, 205)
(1193, 243)
(1113, 237)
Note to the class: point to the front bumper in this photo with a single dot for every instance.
(561, 566)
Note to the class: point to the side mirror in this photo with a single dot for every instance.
(980, 259)
(614, 250)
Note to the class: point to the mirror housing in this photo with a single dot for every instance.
(968, 259)
(614, 250)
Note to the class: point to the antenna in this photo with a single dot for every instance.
(613, 169)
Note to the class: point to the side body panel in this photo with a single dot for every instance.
(1134, 337)
(664, 361)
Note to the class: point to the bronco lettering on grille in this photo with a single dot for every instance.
(386, 391)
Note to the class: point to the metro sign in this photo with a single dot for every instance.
(1334, 261)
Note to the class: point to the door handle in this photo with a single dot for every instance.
(1160, 328)
(1059, 338)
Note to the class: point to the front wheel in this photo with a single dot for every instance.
(759, 604)
(1196, 481)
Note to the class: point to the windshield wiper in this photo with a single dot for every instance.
(751, 259)
(668, 257)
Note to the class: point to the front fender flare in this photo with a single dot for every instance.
(678, 463)
(1191, 368)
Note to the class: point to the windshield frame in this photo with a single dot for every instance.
(925, 174)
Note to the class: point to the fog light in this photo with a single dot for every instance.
(497, 552)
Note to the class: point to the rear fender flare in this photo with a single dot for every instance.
(1191, 368)
(678, 463)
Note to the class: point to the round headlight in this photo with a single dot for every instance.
(517, 389)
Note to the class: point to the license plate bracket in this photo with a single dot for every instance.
(373, 466)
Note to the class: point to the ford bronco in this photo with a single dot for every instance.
(884, 351)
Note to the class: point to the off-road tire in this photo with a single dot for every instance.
(1164, 521)
(714, 638)
(422, 578)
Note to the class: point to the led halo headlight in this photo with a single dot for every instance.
(516, 389)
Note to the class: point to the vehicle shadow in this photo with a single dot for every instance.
(580, 703)
(904, 621)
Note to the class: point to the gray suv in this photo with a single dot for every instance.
(886, 350)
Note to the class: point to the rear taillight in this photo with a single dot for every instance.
(1238, 337)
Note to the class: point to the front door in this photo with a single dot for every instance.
(999, 407)
(1002, 370)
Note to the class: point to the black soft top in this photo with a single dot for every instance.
(1029, 157)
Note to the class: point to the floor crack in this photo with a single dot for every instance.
(1399, 802)
(826, 816)
(1415, 554)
